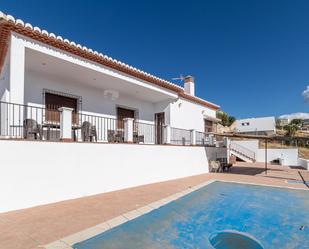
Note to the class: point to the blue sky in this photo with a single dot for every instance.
(250, 57)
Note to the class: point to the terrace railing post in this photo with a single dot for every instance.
(128, 130)
(227, 144)
(167, 134)
(65, 123)
(193, 137)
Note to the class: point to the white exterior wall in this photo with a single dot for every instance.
(256, 125)
(17, 70)
(5, 79)
(287, 157)
(35, 173)
(185, 114)
(28, 89)
(93, 100)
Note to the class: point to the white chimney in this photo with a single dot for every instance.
(189, 85)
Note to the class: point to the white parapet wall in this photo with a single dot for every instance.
(303, 163)
(287, 157)
(36, 173)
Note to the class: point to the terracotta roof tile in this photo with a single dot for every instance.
(8, 24)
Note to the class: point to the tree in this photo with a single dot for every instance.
(291, 129)
(297, 121)
(225, 119)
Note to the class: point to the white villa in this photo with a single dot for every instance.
(46, 72)
(110, 120)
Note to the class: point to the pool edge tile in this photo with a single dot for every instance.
(58, 244)
(68, 241)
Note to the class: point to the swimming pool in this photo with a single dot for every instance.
(272, 217)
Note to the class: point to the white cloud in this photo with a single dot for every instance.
(306, 94)
(300, 115)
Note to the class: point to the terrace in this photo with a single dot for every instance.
(38, 226)
(29, 122)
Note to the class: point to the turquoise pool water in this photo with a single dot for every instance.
(273, 217)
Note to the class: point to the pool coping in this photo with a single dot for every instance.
(68, 241)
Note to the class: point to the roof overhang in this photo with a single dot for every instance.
(215, 120)
(8, 24)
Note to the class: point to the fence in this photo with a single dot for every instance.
(244, 151)
(92, 128)
(201, 138)
(30, 122)
(144, 133)
(22, 121)
(180, 136)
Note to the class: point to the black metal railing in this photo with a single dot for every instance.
(19, 121)
(201, 138)
(94, 128)
(180, 136)
(144, 133)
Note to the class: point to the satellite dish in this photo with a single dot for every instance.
(111, 94)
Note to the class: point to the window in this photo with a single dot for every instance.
(123, 113)
(54, 101)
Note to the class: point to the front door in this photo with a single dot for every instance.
(159, 122)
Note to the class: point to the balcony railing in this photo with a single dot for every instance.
(22, 121)
(19, 121)
(144, 133)
(93, 128)
(180, 136)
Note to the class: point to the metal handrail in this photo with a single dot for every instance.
(242, 150)
(145, 132)
(180, 136)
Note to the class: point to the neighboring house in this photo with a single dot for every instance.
(256, 126)
(41, 72)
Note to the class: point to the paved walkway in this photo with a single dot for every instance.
(31, 228)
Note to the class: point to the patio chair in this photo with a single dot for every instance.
(89, 132)
(111, 136)
(31, 127)
(215, 166)
(138, 138)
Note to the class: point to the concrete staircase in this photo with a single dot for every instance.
(242, 152)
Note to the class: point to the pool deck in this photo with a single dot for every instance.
(35, 227)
